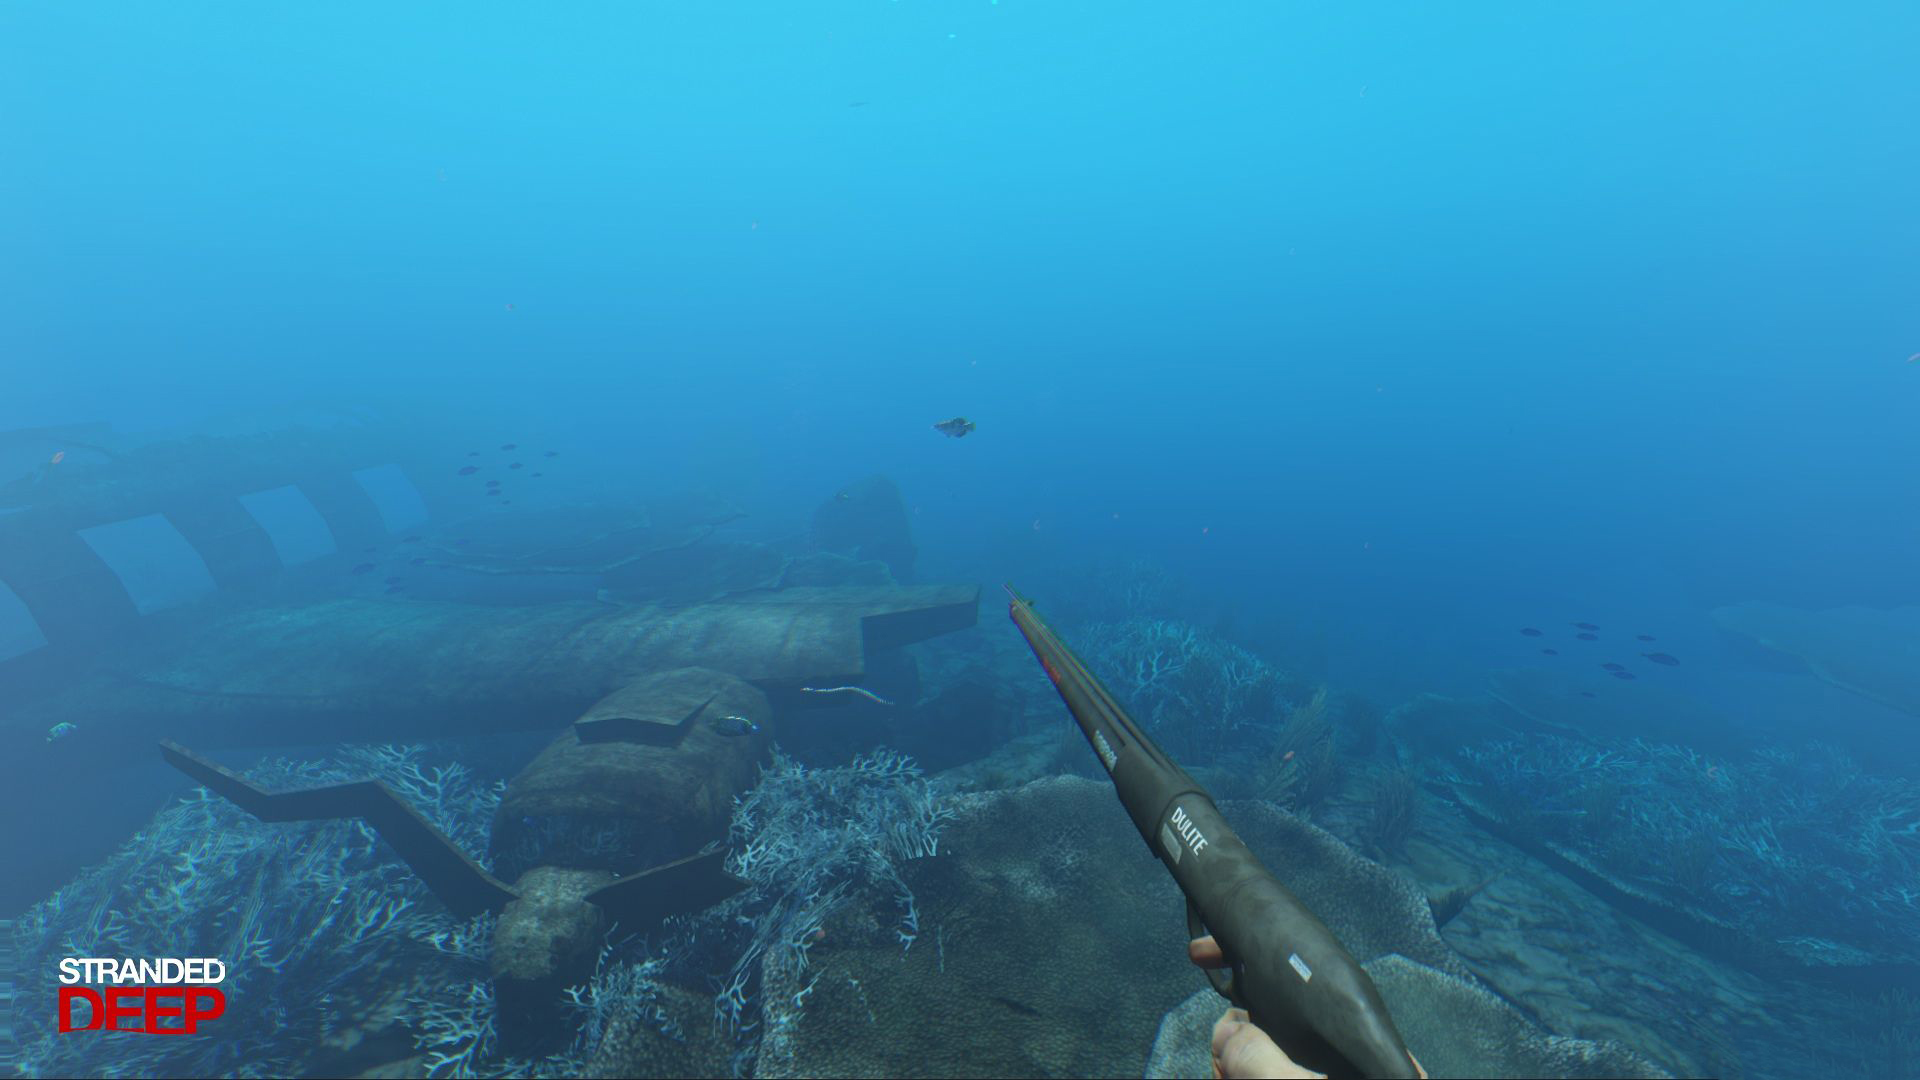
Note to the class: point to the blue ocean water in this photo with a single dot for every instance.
(1384, 332)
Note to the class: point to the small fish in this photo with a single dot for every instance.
(493, 483)
(1643, 637)
(537, 474)
(553, 453)
(1661, 658)
(1586, 693)
(734, 725)
(1614, 667)
(418, 561)
(61, 730)
(1623, 674)
(363, 568)
(462, 542)
(391, 589)
(506, 502)
(956, 428)
(1528, 631)
(371, 548)
(1584, 626)
(469, 470)
(493, 491)
(473, 453)
(516, 465)
(509, 446)
(1550, 652)
(58, 457)
(409, 539)
(395, 580)
(1588, 637)
(1286, 757)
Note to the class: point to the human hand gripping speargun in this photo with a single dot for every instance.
(1282, 965)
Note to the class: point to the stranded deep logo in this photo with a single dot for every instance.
(169, 996)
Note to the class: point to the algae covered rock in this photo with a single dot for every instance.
(1051, 942)
(1454, 1026)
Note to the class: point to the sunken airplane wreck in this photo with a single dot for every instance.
(621, 818)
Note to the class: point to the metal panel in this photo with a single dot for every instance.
(298, 532)
(72, 594)
(236, 549)
(153, 561)
(349, 510)
(398, 501)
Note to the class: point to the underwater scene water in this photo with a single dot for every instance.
(504, 513)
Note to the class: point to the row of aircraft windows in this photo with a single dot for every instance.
(160, 569)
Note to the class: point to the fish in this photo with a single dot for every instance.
(1643, 637)
(1661, 658)
(363, 568)
(469, 470)
(1550, 652)
(409, 539)
(1528, 631)
(732, 724)
(537, 474)
(419, 561)
(1624, 674)
(61, 730)
(1614, 667)
(509, 446)
(1584, 626)
(956, 428)
(391, 589)
(395, 580)
(1586, 693)
(1588, 637)
(493, 483)
(516, 465)
(493, 491)
(473, 453)
(58, 457)
(1286, 757)
(553, 453)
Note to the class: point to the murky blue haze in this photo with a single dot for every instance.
(1384, 331)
